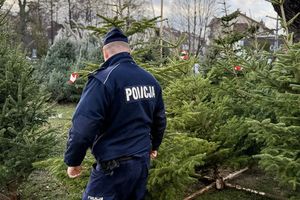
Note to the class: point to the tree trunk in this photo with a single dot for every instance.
(238, 187)
(23, 19)
(212, 185)
(88, 11)
(194, 26)
(52, 24)
(189, 29)
(70, 13)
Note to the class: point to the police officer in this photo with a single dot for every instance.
(121, 117)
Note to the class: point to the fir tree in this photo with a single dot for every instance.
(281, 151)
(174, 170)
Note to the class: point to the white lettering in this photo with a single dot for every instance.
(128, 93)
(95, 198)
(134, 93)
(146, 92)
(139, 92)
(150, 92)
(153, 92)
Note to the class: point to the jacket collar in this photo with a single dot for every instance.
(117, 58)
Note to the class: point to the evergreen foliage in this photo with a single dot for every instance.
(23, 113)
(61, 61)
(134, 26)
(57, 168)
(281, 152)
(192, 107)
(226, 119)
(54, 71)
(174, 169)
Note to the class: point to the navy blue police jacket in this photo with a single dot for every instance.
(120, 113)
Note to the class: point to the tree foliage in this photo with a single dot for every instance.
(174, 169)
(244, 110)
(24, 112)
(281, 153)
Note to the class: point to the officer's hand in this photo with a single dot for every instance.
(74, 172)
(153, 154)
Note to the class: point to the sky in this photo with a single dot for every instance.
(256, 9)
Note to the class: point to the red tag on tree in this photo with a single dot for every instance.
(73, 77)
(238, 68)
(184, 55)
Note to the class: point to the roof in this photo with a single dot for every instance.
(178, 33)
(217, 20)
(253, 20)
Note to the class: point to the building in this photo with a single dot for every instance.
(191, 43)
(264, 35)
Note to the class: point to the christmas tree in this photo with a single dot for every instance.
(24, 112)
(280, 135)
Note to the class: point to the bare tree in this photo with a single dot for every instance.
(23, 15)
(205, 14)
(192, 17)
(194, 23)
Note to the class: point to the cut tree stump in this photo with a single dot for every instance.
(234, 186)
(212, 185)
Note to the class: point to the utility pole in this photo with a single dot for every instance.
(276, 39)
(52, 24)
(276, 45)
(161, 27)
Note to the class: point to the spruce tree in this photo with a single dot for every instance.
(24, 112)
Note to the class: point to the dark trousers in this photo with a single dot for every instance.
(126, 182)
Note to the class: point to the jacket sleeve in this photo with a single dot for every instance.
(159, 122)
(87, 121)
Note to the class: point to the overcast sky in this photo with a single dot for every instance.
(256, 9)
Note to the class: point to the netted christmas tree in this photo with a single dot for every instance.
(56, 69)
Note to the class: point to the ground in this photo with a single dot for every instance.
(40, 185)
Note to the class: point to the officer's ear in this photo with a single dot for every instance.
(105, 54)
